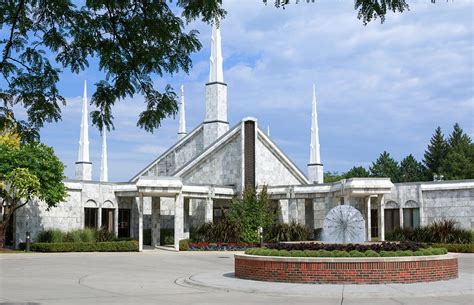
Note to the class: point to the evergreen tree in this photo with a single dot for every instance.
(357, 171)
(411, 170)
(385, 166)
(436, 152)
(459, 161)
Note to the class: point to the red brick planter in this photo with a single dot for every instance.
(373, 270)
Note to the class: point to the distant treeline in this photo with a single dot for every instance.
(450, 158)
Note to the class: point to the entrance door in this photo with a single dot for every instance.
(124, 223)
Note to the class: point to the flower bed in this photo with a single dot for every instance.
(377, 247)
(346, 270)
(206, 246)
(341, 253)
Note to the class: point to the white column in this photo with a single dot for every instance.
(140, 223)
(178, 220)
(209, 210)
(155, 221)
(400, 212)
(423, 221)
(293, 210)
(381, 206)
(99, 218)
(186, 218)
(283, 208)
(116, 221)
(369, 219)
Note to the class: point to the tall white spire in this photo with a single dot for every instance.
(84, 139)
(215, 122)
(182, 116)
(104, 168)
(83, 164)
(315, 167)
(216, 74)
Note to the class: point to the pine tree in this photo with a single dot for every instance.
(435, 153)
(411, 170)
(459, 160)
(385, 166)
(357, 171)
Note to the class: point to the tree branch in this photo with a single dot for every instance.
(6, 52)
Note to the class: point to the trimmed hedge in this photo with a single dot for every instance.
(339, 253)
(114, 246)
(460, 248)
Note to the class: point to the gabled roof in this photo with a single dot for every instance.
(282, 157)
(181, 142)
(208, 151)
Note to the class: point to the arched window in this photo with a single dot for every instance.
(90, 214)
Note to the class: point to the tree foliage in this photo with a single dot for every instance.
(367, 10)
(385, 166)
(357, 171)
(459, 160)
(435, 153)
(411, 170)
(132, 41)
(41, 161)
(252, 211)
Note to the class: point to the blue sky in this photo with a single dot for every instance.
(379, 87)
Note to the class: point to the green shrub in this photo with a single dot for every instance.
(284, 253)
(460, 248)
(225, 231)
(274, 252)
(251, 212)
(441, 231)
(371, 253)
(404, 253)
(338, 253)
(121, 246)
(167, 236)
(184, 245)
(427, 251)
(73, 236)
(104, 235)
(88, 235)
(312, 253)
(50, 236)
(418, 253)
(287, 232)
(297, 253)
(355, 253)
(387, 253)
(325, 253)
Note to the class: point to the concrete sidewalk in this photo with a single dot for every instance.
(164, 277)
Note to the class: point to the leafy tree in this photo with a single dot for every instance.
(459, 160)
(133, 41)
(357, 171)
(385, 166)
(330, 177)
(435, 153)
(252, 211)
(18, 188)
(8, 134)
(411, 170)
(20, 168)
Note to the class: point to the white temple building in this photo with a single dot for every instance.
(191, 182)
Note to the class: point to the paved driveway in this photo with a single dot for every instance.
(159, 277)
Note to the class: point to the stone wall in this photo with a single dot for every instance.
(222, 167)
(437, 200)
(269, 170)
(178, 156)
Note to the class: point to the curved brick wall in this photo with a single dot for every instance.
(375, 270)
